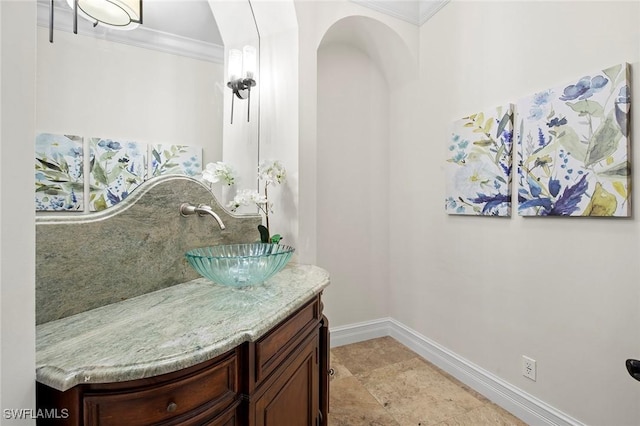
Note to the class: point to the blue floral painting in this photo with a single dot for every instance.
(175, 159)
(573, 143)
(116, 169)
(478, 168)
(59, 173)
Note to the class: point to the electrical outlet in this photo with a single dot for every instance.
(529, 368)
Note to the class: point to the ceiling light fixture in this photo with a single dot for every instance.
(116, 14)
(242, 69)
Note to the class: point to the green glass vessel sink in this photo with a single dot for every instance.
(240, 265)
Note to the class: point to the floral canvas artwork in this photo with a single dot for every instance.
(478, 168)
(116, 169)
(168, 159)
(573, 143)
(59, 173)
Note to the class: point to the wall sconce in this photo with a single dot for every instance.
(242, 68)
(116, 14)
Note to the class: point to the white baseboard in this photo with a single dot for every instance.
(521, 404)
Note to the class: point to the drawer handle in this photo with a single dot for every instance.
(172, 407)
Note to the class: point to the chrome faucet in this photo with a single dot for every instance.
(187, 209)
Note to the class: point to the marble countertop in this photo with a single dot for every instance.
(167, 330)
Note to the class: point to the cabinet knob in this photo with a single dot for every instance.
(172, 407)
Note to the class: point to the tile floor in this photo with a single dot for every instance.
(380, 382)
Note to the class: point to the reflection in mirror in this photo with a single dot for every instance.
(143, 102)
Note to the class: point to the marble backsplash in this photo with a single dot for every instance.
(87, 261)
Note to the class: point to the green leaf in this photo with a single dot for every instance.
(55, 176)
(264, 233)
(480, 119)
(499, 154)
(100, 203)
(586, 106)
(99, 174)
(48, 165)
(622, 169)
(604, 141)
(484, 142)
(570, 140)
(613, 72)
(503, 123)
(156, 155)
(275, 239)
(488, 125)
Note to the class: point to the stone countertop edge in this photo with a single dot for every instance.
(169, 329)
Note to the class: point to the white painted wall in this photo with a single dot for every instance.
(17, 264)
(353, 177)
(562, 291)
(349, 104)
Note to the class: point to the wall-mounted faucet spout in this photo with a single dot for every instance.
(187, 209)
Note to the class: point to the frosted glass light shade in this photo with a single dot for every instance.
(119, 14)
(235, 64)
(248, 62)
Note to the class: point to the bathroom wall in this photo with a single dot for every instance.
(562, 291)
(353, 176)
(17, 216)
(349, 109)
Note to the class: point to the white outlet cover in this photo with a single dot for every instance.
(529, 368)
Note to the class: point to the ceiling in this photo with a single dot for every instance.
(416, 12)
(187, 18)
(188, 28)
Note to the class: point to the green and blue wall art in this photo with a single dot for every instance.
(478, 168)
(115, 169)
(59, 173)
(168, 159)
(573, 147)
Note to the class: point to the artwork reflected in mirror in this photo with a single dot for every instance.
(155, 97)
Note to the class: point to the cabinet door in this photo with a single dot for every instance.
(293, 397)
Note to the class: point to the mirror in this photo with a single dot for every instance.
(160, 85)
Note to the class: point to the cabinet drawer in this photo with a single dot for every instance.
(160, 403)
(274, 347)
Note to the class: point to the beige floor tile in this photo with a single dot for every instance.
(487, 415)
(339, 370)
(416, 393)
(372, 354)
(352, 405)
(382, 383)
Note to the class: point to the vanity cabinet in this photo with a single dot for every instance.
(281, 379)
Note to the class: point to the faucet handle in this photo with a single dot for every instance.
(187, 209)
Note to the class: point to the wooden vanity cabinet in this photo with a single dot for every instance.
(279, 380)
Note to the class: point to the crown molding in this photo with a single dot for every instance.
(430, 8)
(142, 36)
(415, 12)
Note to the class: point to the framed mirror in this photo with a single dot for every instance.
(117, 107)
